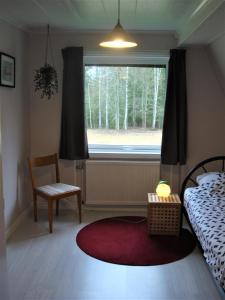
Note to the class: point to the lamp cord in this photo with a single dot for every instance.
(141, 220)
(118, 11)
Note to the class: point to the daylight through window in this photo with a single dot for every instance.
(124, 108)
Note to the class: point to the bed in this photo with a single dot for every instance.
(203, 198)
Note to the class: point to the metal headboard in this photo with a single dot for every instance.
(202, 165)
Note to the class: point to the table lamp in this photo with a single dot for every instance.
(163, 188)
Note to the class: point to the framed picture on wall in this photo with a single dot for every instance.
(7, 70)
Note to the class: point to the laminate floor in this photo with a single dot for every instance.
(45, 266)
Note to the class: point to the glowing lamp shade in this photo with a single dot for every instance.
(118, 38)
(163, 189)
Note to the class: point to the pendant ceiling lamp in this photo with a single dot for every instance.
(118, 38)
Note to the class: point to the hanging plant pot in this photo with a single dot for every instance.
(46, 81)
(45, 78)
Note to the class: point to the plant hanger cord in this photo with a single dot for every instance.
(46, 77)
(51, 50)
(46, 49)
(49, 47)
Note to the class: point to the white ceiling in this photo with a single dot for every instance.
(98, 15)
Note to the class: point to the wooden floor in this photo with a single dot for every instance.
(45, 266)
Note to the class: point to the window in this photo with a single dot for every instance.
(124, 106)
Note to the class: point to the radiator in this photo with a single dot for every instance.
(120, 182)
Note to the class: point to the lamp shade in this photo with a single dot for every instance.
(163, 189)
(118, 38)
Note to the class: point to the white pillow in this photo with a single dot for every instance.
(213, 183)
(208, 177)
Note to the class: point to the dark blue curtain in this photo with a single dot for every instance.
(174, 137)
(73, 143)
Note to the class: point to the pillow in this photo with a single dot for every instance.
(209, 177)
(213, 183)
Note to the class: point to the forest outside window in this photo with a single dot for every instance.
(124, 107)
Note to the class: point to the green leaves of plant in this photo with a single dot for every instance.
(45, 80)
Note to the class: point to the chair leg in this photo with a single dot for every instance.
(35, 206)
(57, 208)
(50, 214)
(79, 202)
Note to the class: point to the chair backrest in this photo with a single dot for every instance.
(41, 162)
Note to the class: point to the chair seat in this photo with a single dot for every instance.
(57, 189)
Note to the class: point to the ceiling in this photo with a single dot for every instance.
(98, 14)
(176, 16)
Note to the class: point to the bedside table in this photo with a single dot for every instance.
(164, 215)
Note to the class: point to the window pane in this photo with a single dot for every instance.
(124, 106)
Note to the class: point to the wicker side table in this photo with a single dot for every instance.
(164, 214)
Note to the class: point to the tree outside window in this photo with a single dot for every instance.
(124, 105)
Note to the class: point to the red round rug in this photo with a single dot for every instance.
(124, 241)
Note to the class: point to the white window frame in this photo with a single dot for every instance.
(111, 151)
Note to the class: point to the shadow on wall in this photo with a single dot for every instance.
(22, 196)
(173, 175)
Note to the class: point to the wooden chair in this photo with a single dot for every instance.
(51, 192)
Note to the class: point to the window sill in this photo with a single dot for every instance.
(124, 155)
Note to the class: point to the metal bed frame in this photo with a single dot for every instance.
(190, 178)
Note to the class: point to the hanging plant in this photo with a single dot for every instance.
(45, 78)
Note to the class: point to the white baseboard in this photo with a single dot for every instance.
(68, 206)
(17, 222)
(128, 208)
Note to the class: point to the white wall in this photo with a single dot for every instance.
(14, 125)
(218, 56)
(206, 105)
(206, 108)
(3, 269)
(45, 115)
